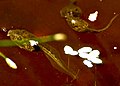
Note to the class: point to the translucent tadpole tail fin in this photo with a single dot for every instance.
(108, 25)
(55, 60)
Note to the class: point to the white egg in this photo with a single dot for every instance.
(94, 53)
(84, 55)
(85, 50)
(88, 63)
(74, 53)
(68, 49)
(96, 61)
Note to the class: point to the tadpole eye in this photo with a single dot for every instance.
(36, 48)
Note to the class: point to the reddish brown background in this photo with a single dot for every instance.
(41, 17)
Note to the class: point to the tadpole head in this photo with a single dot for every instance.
(71, 11)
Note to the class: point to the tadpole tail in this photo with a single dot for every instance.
(55, 60)
(108, 25)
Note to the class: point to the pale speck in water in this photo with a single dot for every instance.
(19, 53)
(115, 48)
(25, 68)
(12, 27)
(114, 13)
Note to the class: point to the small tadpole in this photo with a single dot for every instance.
(72, 14)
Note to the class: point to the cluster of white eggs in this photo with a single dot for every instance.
(87, 53)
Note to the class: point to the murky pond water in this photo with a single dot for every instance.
(41, 18)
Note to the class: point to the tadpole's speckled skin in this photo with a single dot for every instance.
(21, 35)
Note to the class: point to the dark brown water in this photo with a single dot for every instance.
(41, 17)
